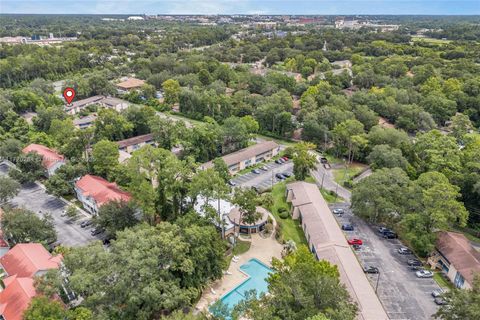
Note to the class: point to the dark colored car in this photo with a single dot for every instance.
(323, 160)
(347, 227)
(382, 230)
(286, 174)
(86, 223)
(96, 231)
(280, 176)
(390, 235)
(370, 269)
(278, 161)
(414, 262)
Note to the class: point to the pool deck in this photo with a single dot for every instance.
(263, 249)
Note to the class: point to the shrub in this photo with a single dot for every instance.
(283, 214)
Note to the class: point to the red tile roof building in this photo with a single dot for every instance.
(94, 191)
(16, 297)
(21, 264)
(51, 159)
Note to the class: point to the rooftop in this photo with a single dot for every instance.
(16, 297)
(330, 244)
(247, 153)
(49, 156)
(460, 253)
(83, 102)
(111, 101)
(131, 83)
(26, 259)
(135, 140)
(101, 190)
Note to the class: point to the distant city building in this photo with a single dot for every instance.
(135, 18)
(250, 156)
(93, 192)
(51, 159)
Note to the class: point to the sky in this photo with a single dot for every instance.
(325, 7)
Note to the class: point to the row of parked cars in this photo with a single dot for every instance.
(417, 266)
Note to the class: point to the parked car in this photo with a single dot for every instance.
(230, 182)
(280, 176)
(440, 301)
(355, 241)
(356, 247)
(264, 168)
(256, 171)
(404, 250)
(416, 268)
(338, 211)
(323, 160)
(424, 274)
(383, 229)
(437, 292)
(347, 227)
(286, 174)
(86, 223)
(96, 231)
(279, 161)
(390, 235)
(370, 269)
(414, 262)
(284, 158)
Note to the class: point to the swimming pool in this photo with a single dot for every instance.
(258, 273)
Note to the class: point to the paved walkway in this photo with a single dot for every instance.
(262, 249)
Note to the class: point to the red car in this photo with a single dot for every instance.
(355, 241)
(285, 158)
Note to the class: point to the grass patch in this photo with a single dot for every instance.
(241, 247)
(430, 40)
(341, 175)
(327, 195)
(288, 143)
(441, 281)
(290, 229)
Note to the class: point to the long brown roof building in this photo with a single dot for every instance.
(327, 242)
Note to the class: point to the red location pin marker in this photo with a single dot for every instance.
(69, 94)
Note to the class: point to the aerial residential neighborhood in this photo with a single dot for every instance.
(239, 160)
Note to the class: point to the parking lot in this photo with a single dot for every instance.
(35, 198)
(265, 179)
(403, 295)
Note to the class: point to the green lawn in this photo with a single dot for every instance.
(441, 281)
(241, 247)
(430, 40)
(341, 175)
(290, 228)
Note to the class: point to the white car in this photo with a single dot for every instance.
(424, 274)
(338, 211)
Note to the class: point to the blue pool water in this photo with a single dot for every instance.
(257, 272)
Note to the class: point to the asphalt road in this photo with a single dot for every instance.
(35, 198)
(265, 179)
(403, 295)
